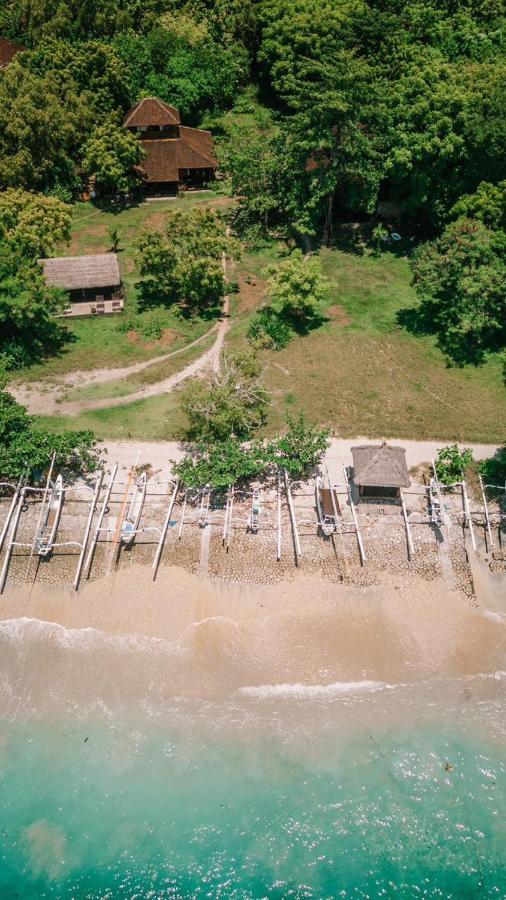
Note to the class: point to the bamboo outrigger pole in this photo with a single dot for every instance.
(165, 528)
(86, 535)
(485, 507)
(355, 518)
(98, 529)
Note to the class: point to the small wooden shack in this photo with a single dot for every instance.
(8, 50)
(380, 470)
(93, 283)
(176, 155)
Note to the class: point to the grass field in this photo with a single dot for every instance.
(101, 342)
(154, 419)
(359, 373)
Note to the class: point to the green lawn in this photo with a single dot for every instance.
(359, 373)
(155, 419)
(100, 343)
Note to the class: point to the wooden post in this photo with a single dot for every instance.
(411, 546)
(180, 530)
(467, 513)
(164, 530)
(87, 529)
(485, 507)
(98, 529)
(12, 538)
(12, 507)
(278, 552)
(355, 518)
(295, 532)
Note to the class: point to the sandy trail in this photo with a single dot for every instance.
(338, 454)
(42, 397)
(45, 400)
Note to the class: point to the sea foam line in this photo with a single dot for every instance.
(311, 691)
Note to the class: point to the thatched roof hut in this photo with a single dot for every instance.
(82, 272)
(93, 282)
(380, 470)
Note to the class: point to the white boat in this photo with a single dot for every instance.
(254, 516)
(130, 524)
(46, 533)
(327, 504)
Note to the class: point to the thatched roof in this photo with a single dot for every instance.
(8, 50)
(194, 149)
(151, 112)
(74, 273)
(380, 466)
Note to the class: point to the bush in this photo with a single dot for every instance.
(452, 463)
(493, 469)
(269, 330)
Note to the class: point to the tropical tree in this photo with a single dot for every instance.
(182, 263)
(33, 225)
(461, 280)
(451, 463)
(28, 329)
(301, 447)
(112, 154)
(230, 404)
(26, 447)
(298, 290)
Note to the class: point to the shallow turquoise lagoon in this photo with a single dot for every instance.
(251, 798)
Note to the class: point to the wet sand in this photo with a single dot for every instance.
(302, 629)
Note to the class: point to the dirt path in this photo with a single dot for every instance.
(208, 360)
(45, 399)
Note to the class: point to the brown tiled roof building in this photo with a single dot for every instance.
(175, 154)
(8, 50)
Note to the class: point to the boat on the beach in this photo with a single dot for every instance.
(130, 524)
(50, 520)
(327, 505)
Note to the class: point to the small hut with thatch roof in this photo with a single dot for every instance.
(380, 470)
(93, 283)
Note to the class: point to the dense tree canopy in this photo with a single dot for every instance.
(461, 279)
(26, 447)
(182, 263)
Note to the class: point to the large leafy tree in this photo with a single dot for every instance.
(231, 403)
(112, 154)
(33, 225)
(183, 262)
(26, 447)
(28, 329)
(50, 100)
(461, 280)
(298, 290)
(180, 62)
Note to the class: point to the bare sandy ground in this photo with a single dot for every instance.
(301, 630)
(159, 453)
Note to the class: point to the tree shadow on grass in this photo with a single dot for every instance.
(459, 348)
(150, 297)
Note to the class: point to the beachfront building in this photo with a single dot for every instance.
(176, 156)
(93, 283)
(380, 470)
(8, 50)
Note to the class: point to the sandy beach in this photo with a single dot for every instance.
(302, 629)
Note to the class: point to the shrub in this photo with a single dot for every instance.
(269, 330)
(452, 463)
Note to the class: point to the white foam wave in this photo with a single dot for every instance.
(312, 691)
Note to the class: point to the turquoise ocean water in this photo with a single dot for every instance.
(338, 790)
